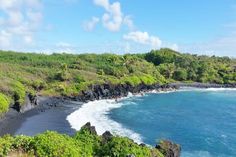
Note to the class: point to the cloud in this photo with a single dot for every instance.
(129, 22)
(21, 20)
(113, 17)
(103, 3)
(143, 38)
(4, 39)
(224, 46)
(90, 25)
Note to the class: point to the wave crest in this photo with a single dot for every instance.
(96, 112)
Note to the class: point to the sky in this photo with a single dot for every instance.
(119, 26)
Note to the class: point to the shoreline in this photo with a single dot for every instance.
(13, 119)
(107, 104)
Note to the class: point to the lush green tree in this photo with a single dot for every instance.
(180, 75)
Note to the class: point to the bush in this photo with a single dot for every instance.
(88, 142)
(4, 103)
(121, 147)
(79, 79)
(19, 92)
(52, 144)
(6, 145)
(61, 76)
(132, 80)
(148, 79)
(83, 144)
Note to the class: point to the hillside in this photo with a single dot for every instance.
(68, 74)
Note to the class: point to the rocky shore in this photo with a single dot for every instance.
(109, 91)
(36, 104)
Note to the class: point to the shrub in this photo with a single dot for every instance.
(132, 80)
(19, 92)
(121, 147)
(79, 79)
(4, 103)
(52, 144)
(6, 145)
(148, 79)
(88, 142)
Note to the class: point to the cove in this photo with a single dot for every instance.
(202, 121)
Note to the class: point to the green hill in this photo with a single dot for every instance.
(69, 74)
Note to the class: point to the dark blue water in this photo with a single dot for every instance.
(203, 122)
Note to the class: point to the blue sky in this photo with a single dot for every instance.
(118, 26)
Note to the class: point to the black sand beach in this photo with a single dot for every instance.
(50, 114)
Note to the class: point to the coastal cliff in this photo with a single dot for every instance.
(109, 91)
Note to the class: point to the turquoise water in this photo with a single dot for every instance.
(203, 122)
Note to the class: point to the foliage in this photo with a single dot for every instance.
(19, 92)
(186, 67)
(53, 144)
(4, 103)
(69, 74)
(121, 147)
(82, 144)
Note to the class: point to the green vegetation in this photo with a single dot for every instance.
(185, 67)
(82, 144)
(4, 103)
(68, 75)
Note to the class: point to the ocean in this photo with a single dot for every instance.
(202, 121)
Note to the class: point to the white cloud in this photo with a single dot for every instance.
(129, 22)
(15, 18)
(113, 18)
(22, 19)
(143, 38)
(224, 46)
(103, 3)
(90, 25)
(5, 39)
(175, 47)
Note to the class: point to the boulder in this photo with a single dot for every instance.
(90, 128)
(169, 149)
(106, 136)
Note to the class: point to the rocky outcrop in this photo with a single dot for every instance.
(169, 149)
(90, 128)
(106, 136)
(108, 91)
(30, 102)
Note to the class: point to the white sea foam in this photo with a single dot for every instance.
(201, 154)
(220, 89)
(205, 89)
(96, 112)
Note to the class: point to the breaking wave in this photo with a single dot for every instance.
(96, 112)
